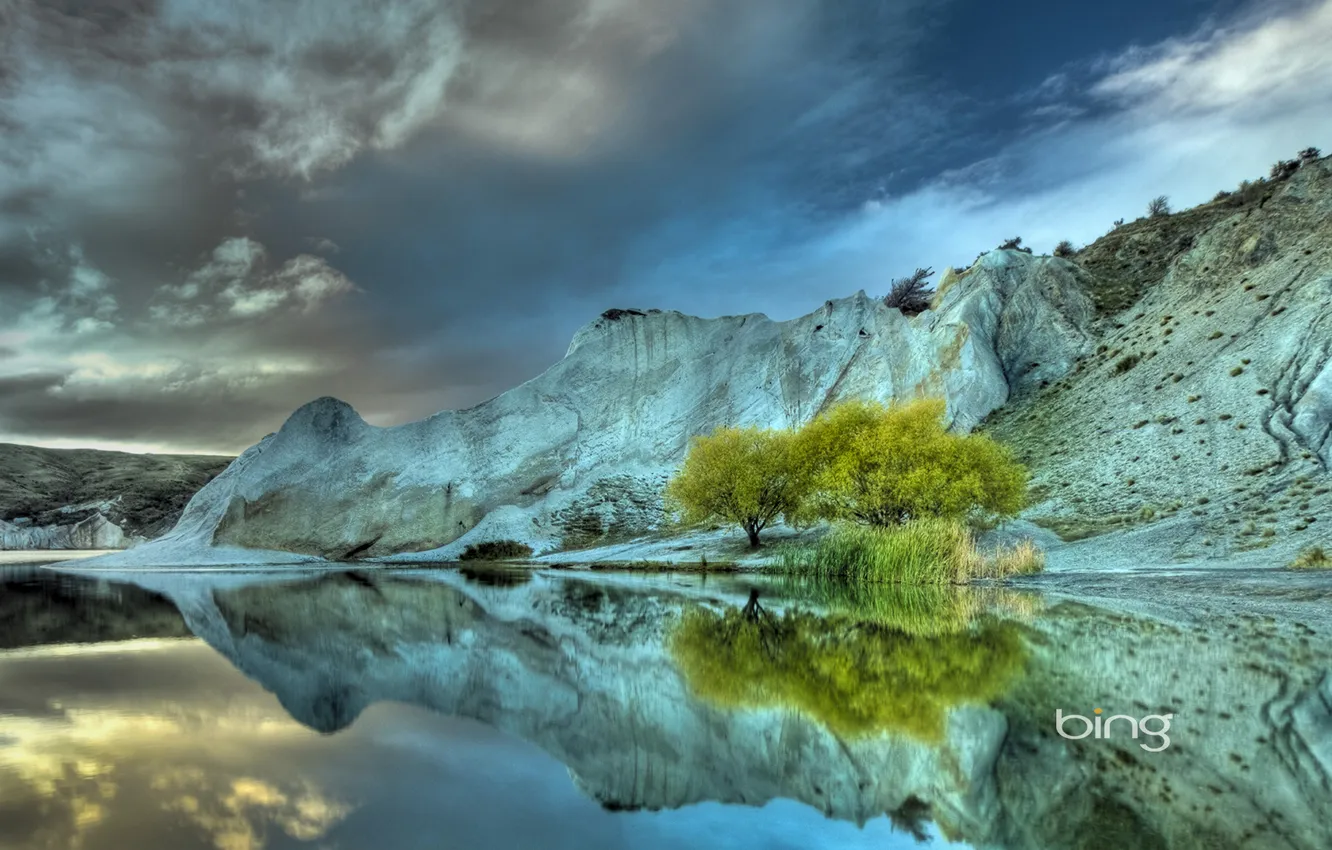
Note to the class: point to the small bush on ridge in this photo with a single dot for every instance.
(911, 295)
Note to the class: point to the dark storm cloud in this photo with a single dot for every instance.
(464, 170)
(212, 212)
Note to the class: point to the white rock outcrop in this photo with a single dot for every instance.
(618, 411)
(93, 532)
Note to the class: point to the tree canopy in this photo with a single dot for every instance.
(883, 465)
(861, 461)
(747, 476)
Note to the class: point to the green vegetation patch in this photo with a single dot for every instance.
(1313, 558)
(861, 461)
(923, 552)
(496, 550)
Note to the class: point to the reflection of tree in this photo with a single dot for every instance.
(855, 677)
(911, 818)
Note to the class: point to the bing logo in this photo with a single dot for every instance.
(1101, 728)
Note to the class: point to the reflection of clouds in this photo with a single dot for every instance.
(233, 811)
(97, 760)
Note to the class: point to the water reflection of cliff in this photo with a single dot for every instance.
(851, 714)
(39, 607)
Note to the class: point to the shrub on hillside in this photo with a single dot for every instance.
(1310, 154)
(1126, 363)
(1065, 249)
(1014, 244)
(745, 476)
(496, 550)
(1313, 558)
(1249, 191)
(881, 465)
(1158, 206)
(1284, 169)
(911, 295)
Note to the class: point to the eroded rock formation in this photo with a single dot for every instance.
(1209, 396)
(632, 389)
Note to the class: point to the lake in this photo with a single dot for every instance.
(491, 708)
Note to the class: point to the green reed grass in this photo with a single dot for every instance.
(923, 552)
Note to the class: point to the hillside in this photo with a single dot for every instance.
(141, 494)
(1209, 395)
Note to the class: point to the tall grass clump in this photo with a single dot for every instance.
(926, 551)
(1021, 559)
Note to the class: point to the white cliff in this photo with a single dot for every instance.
(586, 447)
(93, 532)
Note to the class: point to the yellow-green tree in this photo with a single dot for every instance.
(883, 465)
(747, 476)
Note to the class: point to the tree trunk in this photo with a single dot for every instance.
(753, 536)
(751, 610)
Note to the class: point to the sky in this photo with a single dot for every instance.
(212, 213)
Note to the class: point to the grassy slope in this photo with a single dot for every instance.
(151, 489)
(1159, 422)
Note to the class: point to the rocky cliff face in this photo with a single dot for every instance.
(584, 449)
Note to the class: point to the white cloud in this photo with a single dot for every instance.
(1254, 67)
(235, 281)
(323, 245)
(77, 297)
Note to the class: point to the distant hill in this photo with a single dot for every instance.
(143, 494)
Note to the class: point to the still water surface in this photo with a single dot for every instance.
(485, 709)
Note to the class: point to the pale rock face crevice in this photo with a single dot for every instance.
(633, 388)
